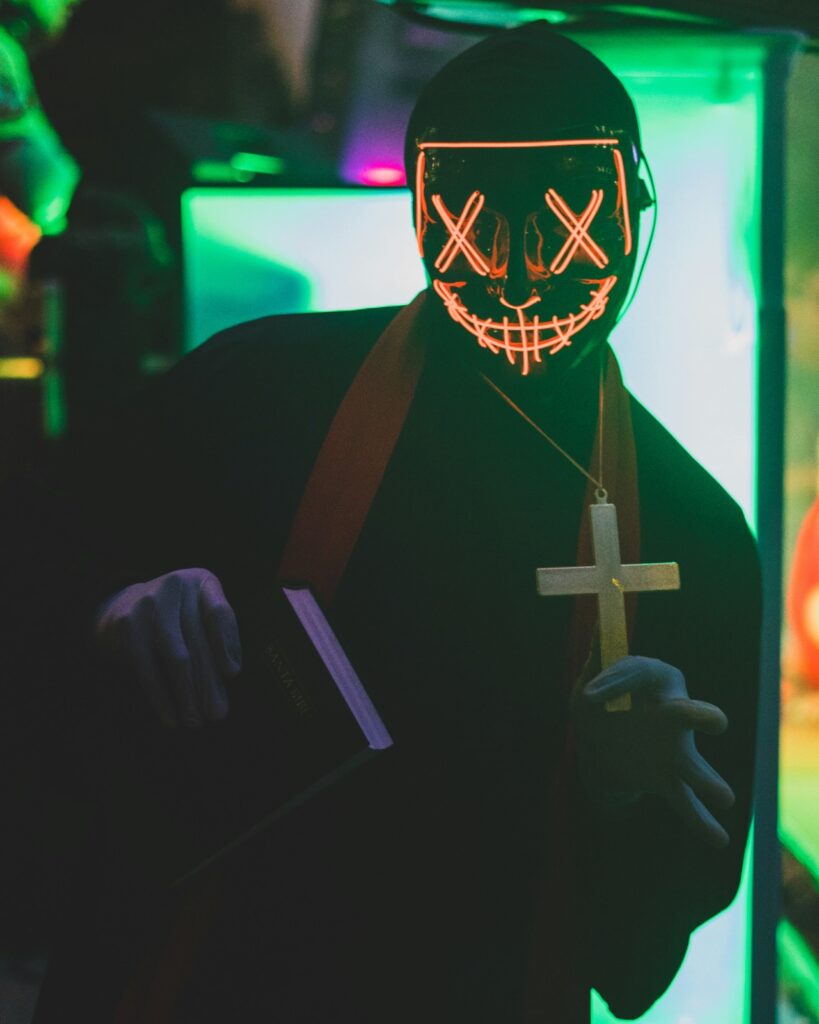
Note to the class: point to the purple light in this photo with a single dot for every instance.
(382, 174)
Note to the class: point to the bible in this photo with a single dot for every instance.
(299, 721)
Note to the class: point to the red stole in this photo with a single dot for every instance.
(336, 501)
(354, 455)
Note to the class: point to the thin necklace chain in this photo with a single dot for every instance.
(598, 482)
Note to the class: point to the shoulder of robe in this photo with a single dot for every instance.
(276, 362)
(297, 351)
(299, 342)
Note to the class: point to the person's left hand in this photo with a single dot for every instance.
(651, 748)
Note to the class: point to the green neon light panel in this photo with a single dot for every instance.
(253, 252)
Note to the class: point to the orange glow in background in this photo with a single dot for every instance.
(18, 236)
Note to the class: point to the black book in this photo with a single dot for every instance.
(300, 720)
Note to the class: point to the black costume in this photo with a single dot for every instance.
(406, 893)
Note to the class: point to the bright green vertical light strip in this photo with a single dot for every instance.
(54, 418)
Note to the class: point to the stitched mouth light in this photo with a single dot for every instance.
(528, 337)
(533, 326)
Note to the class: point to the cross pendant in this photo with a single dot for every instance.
(610, 580)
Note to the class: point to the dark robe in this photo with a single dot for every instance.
(409, 892)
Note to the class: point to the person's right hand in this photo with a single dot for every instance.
(177, 637)
(622, 755)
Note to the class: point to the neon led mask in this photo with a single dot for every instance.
(527, 244)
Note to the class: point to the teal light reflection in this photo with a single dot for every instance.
(255, 252)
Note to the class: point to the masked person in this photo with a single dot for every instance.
(520, 843)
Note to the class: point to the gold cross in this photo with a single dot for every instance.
(610, 580)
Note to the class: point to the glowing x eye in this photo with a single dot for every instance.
(578, 228)
(458, 231)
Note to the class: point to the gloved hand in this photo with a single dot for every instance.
(177, 637)
(649, 749)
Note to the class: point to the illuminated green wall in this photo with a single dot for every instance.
(253, 252)
(687, 345)
(688, 348)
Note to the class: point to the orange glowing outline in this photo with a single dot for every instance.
(510, 305)
(457, 241)
(530, 342)
(578, 230)
(420, 204)
(623, 196)
(421, 210)
(518, 145)
(18, 236)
